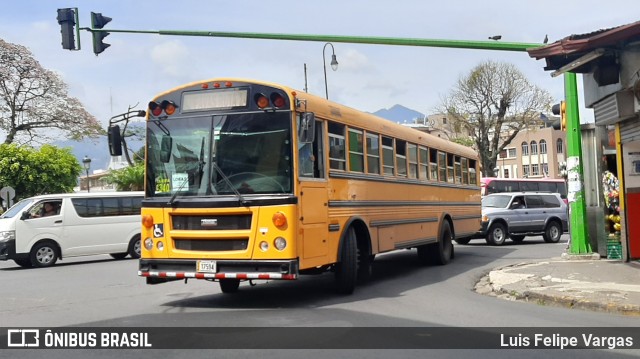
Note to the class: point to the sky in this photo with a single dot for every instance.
(370, 77)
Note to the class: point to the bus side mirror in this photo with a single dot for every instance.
(306, 130)
(115, 141)
(165, 148)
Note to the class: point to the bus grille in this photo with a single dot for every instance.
(211, 245)
(212, 222)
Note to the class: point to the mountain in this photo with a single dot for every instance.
(399, 114)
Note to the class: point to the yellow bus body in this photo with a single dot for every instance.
(386, 212)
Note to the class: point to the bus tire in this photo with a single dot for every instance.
(24, 263)
(44, 254)
(497, 234)
(347, 267)
(135, 247)
(365, 266)
(230, 285)
(439, 253)
(553, 232)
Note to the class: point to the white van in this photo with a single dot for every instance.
(38, 231)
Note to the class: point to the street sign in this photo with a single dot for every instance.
(8, 194)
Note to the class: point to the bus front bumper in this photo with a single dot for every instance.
(165, 270)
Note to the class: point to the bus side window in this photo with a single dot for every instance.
(310, 155)
(529, 186)
(337, 160)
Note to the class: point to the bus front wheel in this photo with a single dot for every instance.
(229, 285)
(347, 267)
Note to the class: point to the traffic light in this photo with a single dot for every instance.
(561, 109)
(67, 20)
(97, 22)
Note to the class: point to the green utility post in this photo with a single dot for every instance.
(577, 208)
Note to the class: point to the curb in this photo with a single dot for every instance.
(570, 302)
(508, 292)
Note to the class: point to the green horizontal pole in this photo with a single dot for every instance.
(460, 44)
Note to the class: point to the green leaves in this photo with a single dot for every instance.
(128, 179)
(31, 172)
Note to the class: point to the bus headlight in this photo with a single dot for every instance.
(264, 246)
(148, 244)
(7, 236)
(160, 246)
(280, 243)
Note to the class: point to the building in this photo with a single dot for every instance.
(96, 181)
(534, 153)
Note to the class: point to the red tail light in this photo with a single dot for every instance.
(277, 100)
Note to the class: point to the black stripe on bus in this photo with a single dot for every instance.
(402, 221)
(399, 204)
(390, 179)
(334, 228)
(415, 242)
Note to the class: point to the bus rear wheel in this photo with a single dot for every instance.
(439, 253)
(229, 285)
(347, 267)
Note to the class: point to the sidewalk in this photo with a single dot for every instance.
(601, 285)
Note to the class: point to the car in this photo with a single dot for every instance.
(516, 215)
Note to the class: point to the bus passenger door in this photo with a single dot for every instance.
(314, 199)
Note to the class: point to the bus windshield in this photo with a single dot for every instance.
(247, 153)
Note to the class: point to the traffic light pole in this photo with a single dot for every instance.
(579, 242)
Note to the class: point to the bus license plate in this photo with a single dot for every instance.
(207, 266)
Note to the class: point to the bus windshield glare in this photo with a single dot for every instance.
(241, 153)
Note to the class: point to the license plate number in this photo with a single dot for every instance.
(207, 266)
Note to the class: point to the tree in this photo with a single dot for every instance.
(32, 172)
(493, 103)
(33, 101)
(129, 178)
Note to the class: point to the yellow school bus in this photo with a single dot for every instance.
(250, 180)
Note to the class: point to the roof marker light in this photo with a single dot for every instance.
(155, 108)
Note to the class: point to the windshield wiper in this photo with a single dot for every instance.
(228, 182)
(175, 194)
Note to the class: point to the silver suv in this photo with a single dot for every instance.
(516, 215)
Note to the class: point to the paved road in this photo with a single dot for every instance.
(99, 291)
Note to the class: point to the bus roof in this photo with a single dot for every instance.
(350, 116)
